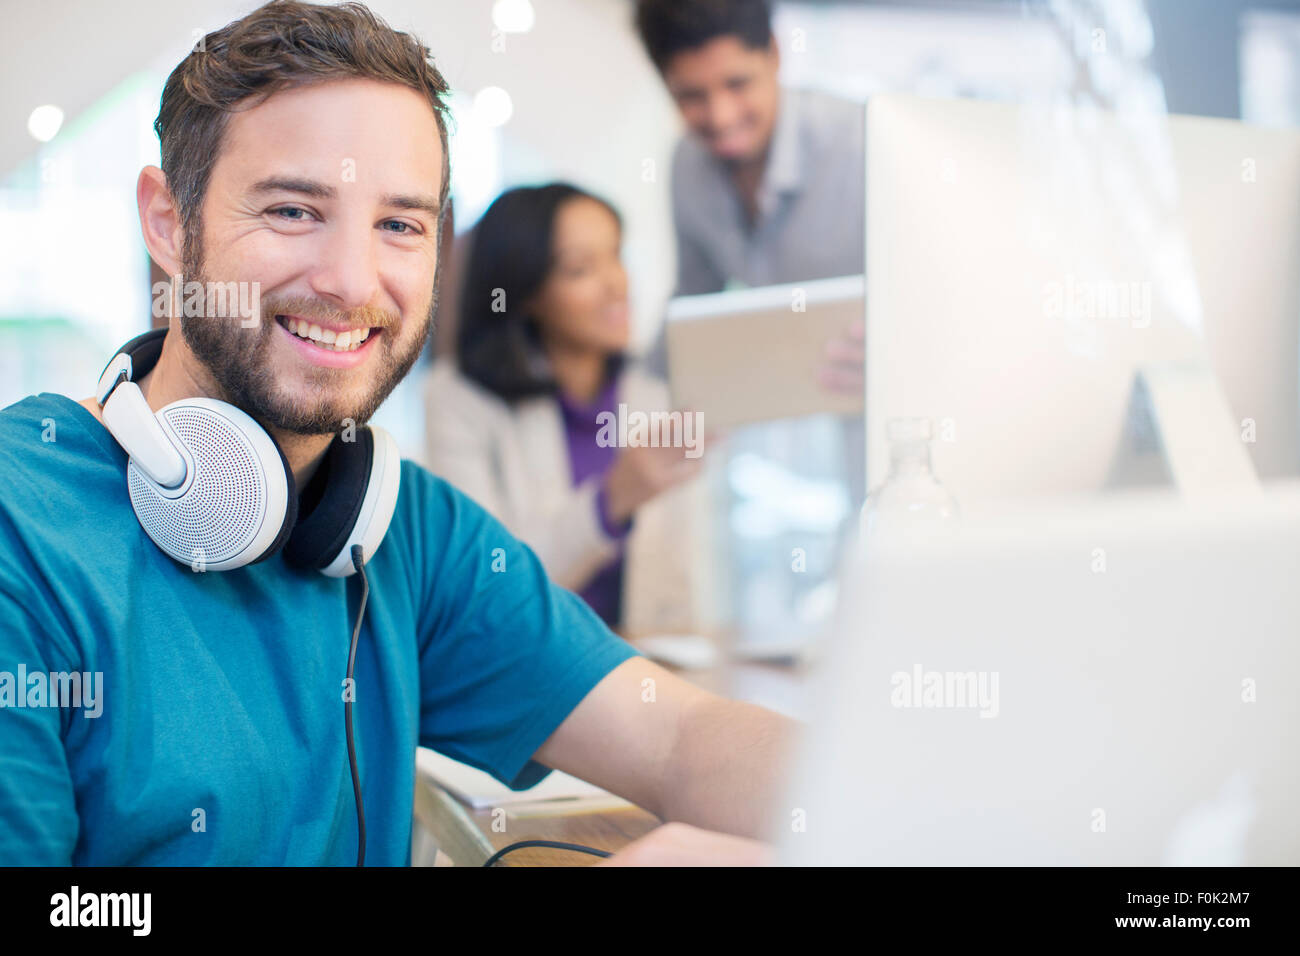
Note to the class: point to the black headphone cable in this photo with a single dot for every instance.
(358, 562)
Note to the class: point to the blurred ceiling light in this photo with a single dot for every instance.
(513, 16)
(492, 106)
(44, 122)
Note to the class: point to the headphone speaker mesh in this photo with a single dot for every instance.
(224, 508)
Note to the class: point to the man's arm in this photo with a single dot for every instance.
(678, 751)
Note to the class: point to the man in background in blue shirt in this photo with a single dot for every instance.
(304, 149)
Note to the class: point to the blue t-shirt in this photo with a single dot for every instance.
(220, 733)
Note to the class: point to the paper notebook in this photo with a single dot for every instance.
(480, 790)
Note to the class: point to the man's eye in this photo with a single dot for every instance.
(292, 213)
(405, 227)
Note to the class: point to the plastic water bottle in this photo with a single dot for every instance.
(910, 501)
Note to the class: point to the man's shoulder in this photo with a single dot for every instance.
(34, 408)
(440, 534)
(688, 151)
(63, 501)
(429, 505)
(423, 488)
(47, 435)
(831, 119)
(693, 168)
(824, 104)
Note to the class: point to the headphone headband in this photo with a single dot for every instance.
(153, 448)
(133, 360)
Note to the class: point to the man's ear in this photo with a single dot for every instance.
(775, 52)
(160, 220)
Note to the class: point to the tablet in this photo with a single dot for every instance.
(752, 355)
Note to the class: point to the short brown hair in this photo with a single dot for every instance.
(280, 45)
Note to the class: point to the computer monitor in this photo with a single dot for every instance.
(1105, 683)
(1025, 263)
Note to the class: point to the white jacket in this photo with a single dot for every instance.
(514, 462)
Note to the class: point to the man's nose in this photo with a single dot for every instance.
(722, 112)
(347, 273)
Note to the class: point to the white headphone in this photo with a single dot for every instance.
(210, 486)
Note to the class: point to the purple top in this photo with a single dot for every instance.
(587, 458)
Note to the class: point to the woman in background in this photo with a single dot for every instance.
(516, 422)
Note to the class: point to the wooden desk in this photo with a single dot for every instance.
(469, 837)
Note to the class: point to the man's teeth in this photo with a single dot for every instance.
(348, 341)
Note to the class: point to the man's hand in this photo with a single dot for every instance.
(842, 365)
(679, 844)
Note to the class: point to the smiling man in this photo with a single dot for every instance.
(304, 149)
(313, 198)
(767, 182)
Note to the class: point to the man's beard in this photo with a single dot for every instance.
(239, 360)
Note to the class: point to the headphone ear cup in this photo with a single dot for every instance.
(237, 502)
(350, 501)
(290, 511)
